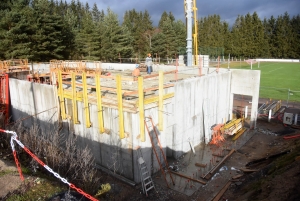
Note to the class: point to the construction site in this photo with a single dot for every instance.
(187, 131)
(178, 123)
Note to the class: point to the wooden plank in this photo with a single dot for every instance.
(187, 177)
(237, 176)
(248, 170)
(221, 192)
(201, 165)
(214, 169)
(146, 90)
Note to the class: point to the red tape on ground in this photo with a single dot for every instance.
(83, 193)
(18, 165)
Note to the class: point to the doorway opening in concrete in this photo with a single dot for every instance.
(241, 106)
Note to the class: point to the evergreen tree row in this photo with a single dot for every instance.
(41, 30)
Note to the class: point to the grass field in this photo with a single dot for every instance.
(276, 79)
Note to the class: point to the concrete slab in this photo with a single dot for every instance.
(206, 155)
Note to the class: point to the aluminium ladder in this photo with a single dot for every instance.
(146, 180)
(158, 150)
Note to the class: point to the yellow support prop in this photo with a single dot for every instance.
(61, 96)
(156, 98)
(141, 108)
(120, 106)
(74, 103)
(160, 100)
(99, 104)
(85, 101)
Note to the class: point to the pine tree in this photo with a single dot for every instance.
(295, 24)
(16, 29)
(49, 38)
(116, 39)
(180, 39)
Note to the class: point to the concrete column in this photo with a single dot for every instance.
(254, 107)
(189, 31)
(230, 106)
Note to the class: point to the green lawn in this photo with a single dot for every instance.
(276, 79)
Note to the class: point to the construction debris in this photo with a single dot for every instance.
(291, 137)
(232, 127)
(237, 176)
(246, 170)
(190, 178)
(214, 169)
(222, 191)
(254, 162)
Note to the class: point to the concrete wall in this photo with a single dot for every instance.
(198, 103)
(28, 98)
(246, 82)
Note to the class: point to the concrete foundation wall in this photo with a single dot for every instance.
(28, 98)
(199, 103)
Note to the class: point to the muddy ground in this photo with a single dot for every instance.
(273, 179)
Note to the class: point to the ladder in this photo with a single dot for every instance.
(158, 150)
(146, 180)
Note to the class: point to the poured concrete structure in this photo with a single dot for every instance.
(198, 103)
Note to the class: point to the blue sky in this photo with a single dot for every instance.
(227, 9)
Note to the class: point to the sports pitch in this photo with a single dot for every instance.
(276, 79)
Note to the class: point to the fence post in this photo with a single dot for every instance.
(287, 103)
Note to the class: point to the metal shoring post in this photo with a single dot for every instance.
(287, 103)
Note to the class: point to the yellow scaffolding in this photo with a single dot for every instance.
(138, 105)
